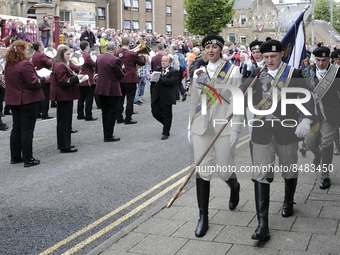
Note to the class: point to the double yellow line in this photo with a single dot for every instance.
(119, 221)
(242, 141)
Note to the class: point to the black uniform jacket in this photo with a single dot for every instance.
(283, 135)
(165, 88)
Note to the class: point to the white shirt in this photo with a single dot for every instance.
(212, 67)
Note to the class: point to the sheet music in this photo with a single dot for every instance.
(155, 76)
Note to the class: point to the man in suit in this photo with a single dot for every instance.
(164, 95)
(270, 137)
(128, 84)
(109, 70)
(328, 107)
(88, 36)
(40, 61)
(45, 29)
(86, 88)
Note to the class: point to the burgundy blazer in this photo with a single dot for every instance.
(72, 66)
(62, 89)
(88, 68)
(109, 69)
(130, 59)
(22, 84)
(156, 61)
(40, 60)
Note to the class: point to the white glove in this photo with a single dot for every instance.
(189, 136)
(303, 128)
(233, 138)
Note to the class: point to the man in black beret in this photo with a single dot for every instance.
(336, 56)
(326, 85)
(269, 137)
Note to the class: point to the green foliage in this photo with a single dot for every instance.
(208, 16)
(322, 11)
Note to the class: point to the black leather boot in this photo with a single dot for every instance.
(290, 187)
(234, 186)
(262, 207)
(327, 158)
(203, 192)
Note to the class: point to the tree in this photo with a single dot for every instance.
(322, 11)
(208, 16)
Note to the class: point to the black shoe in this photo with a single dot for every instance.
(53, 104)
(120, 121)
(164, 137)
(72, 146)
(32, 162)
(90, 119)
(74, 131)
(112, 139)
(39, 116)
(80, 117)
(46, 117)
(68, 150)
(138, 103)
(17, 160)
(261, 234)
(184, 97)
(131, 122)
(3, 127)
(8, 112)
(325, 183)
(287, 209)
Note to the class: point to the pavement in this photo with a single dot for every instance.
(313, 228)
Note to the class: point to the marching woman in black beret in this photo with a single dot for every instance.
(203, 113)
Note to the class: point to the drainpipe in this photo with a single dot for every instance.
(107, 14)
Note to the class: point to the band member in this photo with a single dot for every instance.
(326, 90)
(40, 61)
(164, 95)
(272, 137)
(64, 89)
(156, 62)
(128, 84)
(202, 129)
(109, 70)
(86, 88)
(23, 94)
(336, 57)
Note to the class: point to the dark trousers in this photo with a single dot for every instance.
(180, 87)
(86, 96)
(64, 124)
(162, 113)
(45, 104)
(109, 105)
(96, 98)
(2, 96)
(128, 90)
(24, 119)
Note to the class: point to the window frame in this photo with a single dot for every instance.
(148, 30)
(101, 17)
(243, 39)
(167, 8)
(133, 25)
(127, 7)
(146, 7)
(243, 21)
(62, 21)
(135, 8)
(167, 31)
(125, 22)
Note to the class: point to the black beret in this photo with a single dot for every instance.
(271, 46)
(268, 38)
(254, 45)
(213, 39)
(322, 52)
(336, 54)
